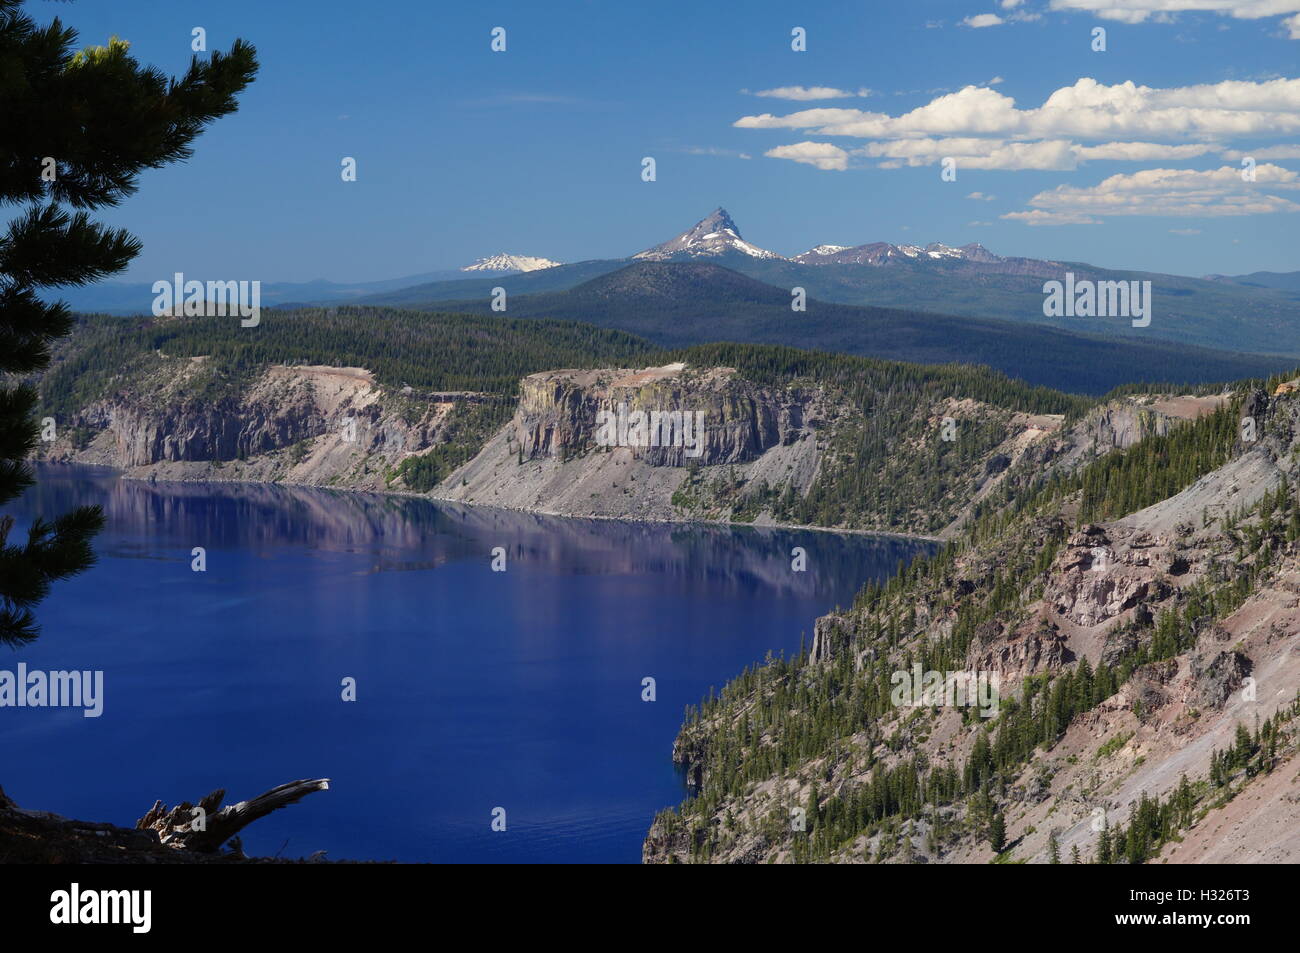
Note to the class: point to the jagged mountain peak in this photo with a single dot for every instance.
(715, 234)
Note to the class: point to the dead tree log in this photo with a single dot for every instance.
(206, 826)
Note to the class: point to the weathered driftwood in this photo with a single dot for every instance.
(182, 827)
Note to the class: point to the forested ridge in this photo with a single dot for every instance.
(442, 352)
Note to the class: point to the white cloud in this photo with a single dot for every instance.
(715, 151)
(1039, 217)
(973, 153)
(1177, 193)
(809, 92)
(1141, 151)
(1268, 152)
(1087, 110)
(822, 155)
(981, 197)
(1059, 155)
(1164, 11)
(981, 128)
(983, 20)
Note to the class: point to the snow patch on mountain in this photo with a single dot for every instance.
(504, 262)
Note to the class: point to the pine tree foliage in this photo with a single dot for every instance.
(77, 127)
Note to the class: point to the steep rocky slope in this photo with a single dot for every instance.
(551, 457)
(316, 425)
(1147, 665)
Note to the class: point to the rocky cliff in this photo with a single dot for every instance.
(611, 443)
(311, 425)
(560, 414)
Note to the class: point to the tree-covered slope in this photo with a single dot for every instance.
(1123, 650)
(426, 351)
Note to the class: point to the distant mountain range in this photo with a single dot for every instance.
(682, 303)
(1253, 314)
(716, 236)
(1286, 280)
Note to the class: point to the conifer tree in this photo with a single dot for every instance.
(76, 130)
(1104, 855)
(997, 832)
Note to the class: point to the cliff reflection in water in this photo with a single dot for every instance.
(404, 533)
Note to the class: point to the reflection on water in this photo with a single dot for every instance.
(475, 689)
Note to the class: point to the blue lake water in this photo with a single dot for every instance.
(475, 689)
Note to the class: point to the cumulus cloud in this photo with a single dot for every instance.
(1086, 110)
(980, 128)
(809, 92)
(1141, 151)
(1181, 193)
(822, 155)
(971, 153)
(981, 20)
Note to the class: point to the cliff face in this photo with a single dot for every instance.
(624, 443)
(312, 425)
(560, 414)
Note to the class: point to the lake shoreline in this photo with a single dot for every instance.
(408, 494)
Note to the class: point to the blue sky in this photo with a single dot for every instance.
(463, 152)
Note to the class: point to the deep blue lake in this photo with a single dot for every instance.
(475, 689)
